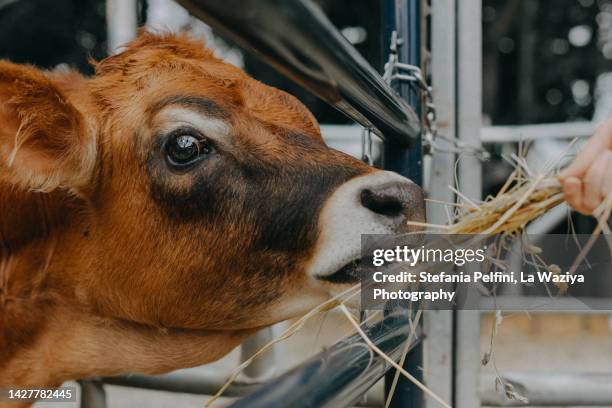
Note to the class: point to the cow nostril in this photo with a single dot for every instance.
(382, 203)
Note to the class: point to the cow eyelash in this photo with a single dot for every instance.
(185, 147)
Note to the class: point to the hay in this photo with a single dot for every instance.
(402, 360)
(326, 306)
(520, 201)
(523, 198)
(389, 360)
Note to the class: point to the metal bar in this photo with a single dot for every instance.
(548, 221)
(528, 10)
(92, 394)
(339, 376)
(551, 389)
(512, 134)
(5, 3)
(192, 382)
(469, 121)
(407, 394)
(546, 305)
(265, 365)
(347, 138)
(187, 381)
(305, 46)
(121, 23)
(438, 324)
(404, 17)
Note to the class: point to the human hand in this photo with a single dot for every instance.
(588, 180)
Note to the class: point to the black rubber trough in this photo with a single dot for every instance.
(338, 376)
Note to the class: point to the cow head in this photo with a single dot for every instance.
(182, 195)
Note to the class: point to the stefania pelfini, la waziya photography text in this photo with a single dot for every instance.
(478, 272)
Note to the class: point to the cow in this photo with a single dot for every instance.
(157, 213)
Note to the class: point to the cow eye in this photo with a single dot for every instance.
(184, 149)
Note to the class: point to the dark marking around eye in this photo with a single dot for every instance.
(184, 147)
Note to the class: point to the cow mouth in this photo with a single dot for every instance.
(349, 273)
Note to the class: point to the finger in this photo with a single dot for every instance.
(572, 189)
(601, 140)
(593, 183)
(607, 182)
(606, 185)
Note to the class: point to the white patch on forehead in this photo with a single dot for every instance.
(173, 117)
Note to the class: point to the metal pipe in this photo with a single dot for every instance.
(469, 122)
(550, 389)
(404, 17)
(92, 394)
(191, 381)
(296, 38)
(5, 3)
(186, 381)
(514, 134)
(121, 23)
(265, 365)
(544, 304)
(438, 324)
(338, 376)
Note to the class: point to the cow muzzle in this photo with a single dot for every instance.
(378, 203)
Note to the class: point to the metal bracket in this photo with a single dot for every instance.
(366, 146)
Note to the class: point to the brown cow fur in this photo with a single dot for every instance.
(111, 263)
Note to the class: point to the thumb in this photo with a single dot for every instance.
(599, 143)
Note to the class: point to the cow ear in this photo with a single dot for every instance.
(44, 144)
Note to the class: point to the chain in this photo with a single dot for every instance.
(395, 72)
